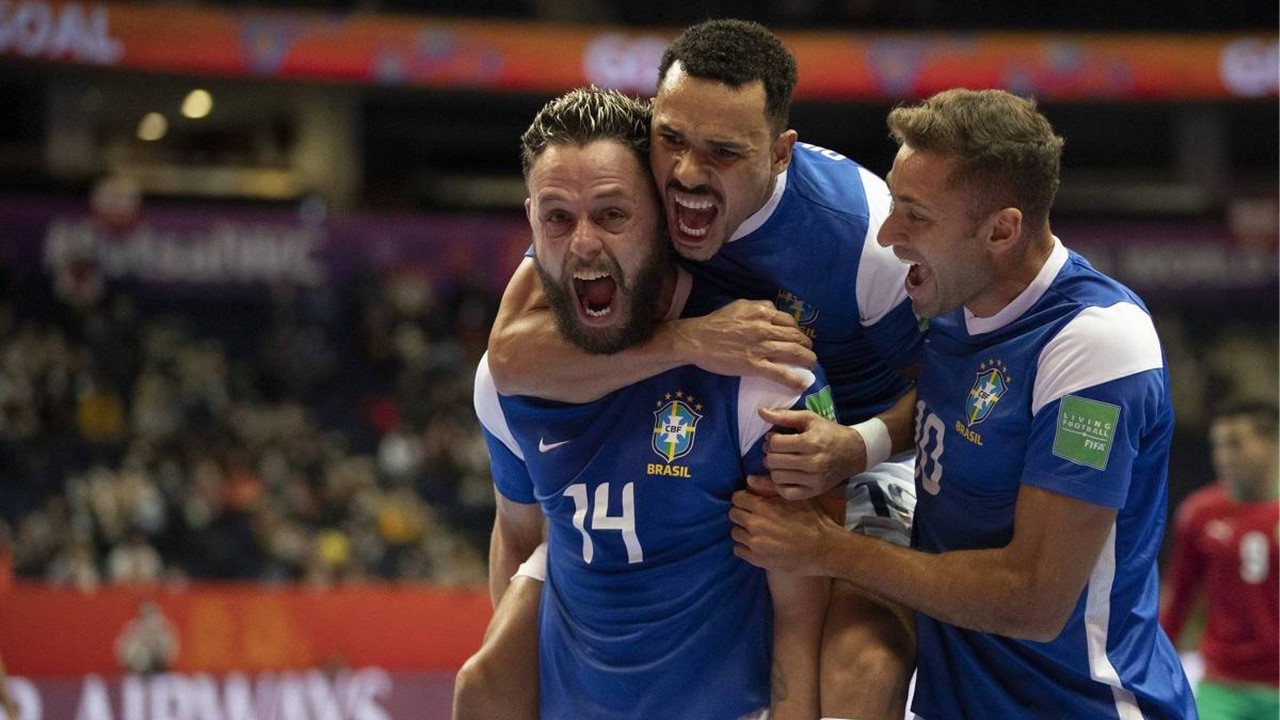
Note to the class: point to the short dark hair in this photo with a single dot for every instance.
(1006, 150)
(737, 53)
(582, 116)
(1262, 414)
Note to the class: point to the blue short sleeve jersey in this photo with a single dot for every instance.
(646, 611)
(812, 251)
(1065, 389)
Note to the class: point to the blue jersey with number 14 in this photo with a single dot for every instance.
(646, 613)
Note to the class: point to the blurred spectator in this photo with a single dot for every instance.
(148, 643)
(155, 406)
(400, 454)
(134, 561)
(42, 534)
(100, 413)
(75, 565)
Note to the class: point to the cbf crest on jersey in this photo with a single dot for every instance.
(795, 306)
(988, 388)
(674, 424)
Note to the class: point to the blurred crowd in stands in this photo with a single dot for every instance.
(316, 436)
(320, 435)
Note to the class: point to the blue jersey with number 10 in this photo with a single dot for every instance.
(1065, 390)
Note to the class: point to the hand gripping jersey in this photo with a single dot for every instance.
(812, 251)
(646, 612)
(1229, 550)
(1065, 389)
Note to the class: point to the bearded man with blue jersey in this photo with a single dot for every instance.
(646, 611)
(788, 228)
(1043, 424)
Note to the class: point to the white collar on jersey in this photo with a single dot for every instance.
(684, 284)
(759, 217)
(1028, 297)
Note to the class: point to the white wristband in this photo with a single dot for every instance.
(536, 566)
(875, 435)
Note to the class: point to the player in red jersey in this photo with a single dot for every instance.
(1225, 546)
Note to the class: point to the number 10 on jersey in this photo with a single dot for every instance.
(930, 436)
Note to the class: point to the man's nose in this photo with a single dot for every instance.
(690, 169)
(585, 242)
(890, 232)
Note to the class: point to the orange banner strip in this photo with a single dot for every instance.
(547, 58)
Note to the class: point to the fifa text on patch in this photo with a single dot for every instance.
(1086, 429)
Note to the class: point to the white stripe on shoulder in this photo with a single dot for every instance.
(880, 285)
(757, 392)
(1099, 345)
(489, 411)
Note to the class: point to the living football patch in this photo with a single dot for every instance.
(1086, 429)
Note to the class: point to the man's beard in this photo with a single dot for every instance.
(642, 302)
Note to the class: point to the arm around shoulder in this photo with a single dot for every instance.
(529, 356)
(522, 320)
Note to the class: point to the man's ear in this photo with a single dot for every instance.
(780, 151)
(1005, 229)
(528, 210)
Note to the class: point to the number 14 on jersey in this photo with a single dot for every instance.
(624, 522)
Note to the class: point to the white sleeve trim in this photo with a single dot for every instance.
(757, 392)
(1098, 345)
(880, 285)
(488, 411)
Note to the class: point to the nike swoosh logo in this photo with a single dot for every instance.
(543, 446)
